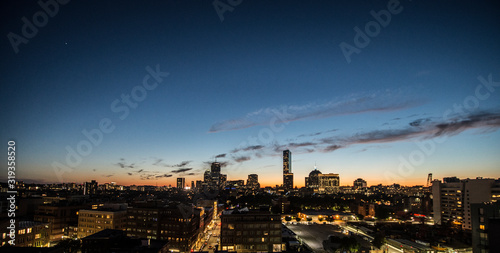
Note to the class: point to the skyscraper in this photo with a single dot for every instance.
(215, 174)
(287, 170)
(287, 163)
(181, 182)
(90, 188)
(253, 181)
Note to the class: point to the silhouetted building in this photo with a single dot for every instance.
(177, 223)
(253, 181)
(90, 188)
(59, 216)
(110, 240)
(313, 180)
(485, 227)
(250, 231)
(287, 162)
(359, 183)
(181, 182)
(322, 182)
(287, 170)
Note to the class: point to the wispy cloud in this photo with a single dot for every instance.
(182, 170)
(240, 159)
(423, 128)
(381, 101)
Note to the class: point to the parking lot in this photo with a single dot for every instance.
(313, 235)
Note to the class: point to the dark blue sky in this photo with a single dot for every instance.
(227, 79)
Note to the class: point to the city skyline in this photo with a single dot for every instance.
(166, 88)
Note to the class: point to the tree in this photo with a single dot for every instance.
(349, 244)
(320, 218)
(329, 219)
(297, 219)
(288, 218)
(309, 219)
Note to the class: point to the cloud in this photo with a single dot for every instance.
(181, 170)
(331, 148)
(423, 128)
(164, 175)
(240, 159)
(124, 165)
(248, 148)
(130, 174)
(220, 156)
(182, 164)
(302, 144)
(157, 161)
(380, 101)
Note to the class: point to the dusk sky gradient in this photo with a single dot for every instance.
(270, 76)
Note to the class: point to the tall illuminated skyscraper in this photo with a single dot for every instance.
(287, 162)
(287, 170)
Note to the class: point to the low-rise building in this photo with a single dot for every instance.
(250, 231)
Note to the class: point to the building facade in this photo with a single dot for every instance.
(485, 227)
(452, 198)
(93, 221)
(177, 223)
(287, 170)
(181, 182)
(250, 231)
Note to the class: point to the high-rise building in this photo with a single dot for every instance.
(287, 162)
(213, 178)
(90, 188)
(287, 170)
(359, 183)
(253, 181)
(250, 231)
(215, 168)
(453, 197)
(181, 182)
(485, 227)
(288, 181)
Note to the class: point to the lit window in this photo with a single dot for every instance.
(481, 227)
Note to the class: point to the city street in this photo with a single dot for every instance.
(211, 237)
